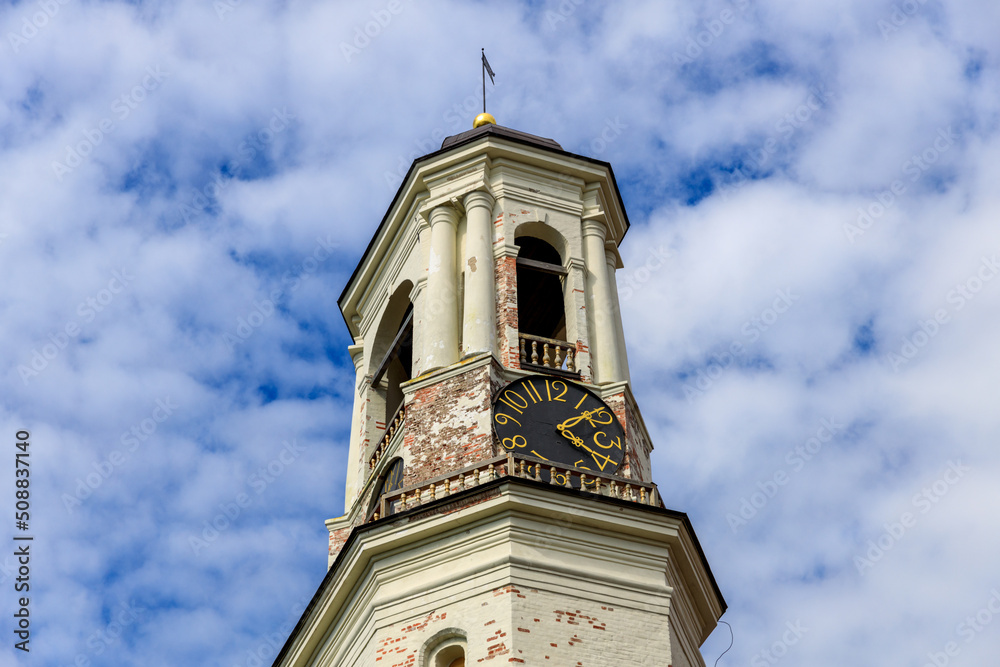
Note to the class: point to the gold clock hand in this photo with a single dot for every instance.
(588, 415)
(569, 434)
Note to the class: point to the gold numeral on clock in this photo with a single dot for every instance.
(508, 398)
(536, 397)
(559, 397)
(514, 442)
(601, 460)
(617, 442)
(506, 419)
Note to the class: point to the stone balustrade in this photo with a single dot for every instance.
(547, 352)
(391, 428)
(524, 467)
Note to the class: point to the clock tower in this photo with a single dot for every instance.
(500, 504)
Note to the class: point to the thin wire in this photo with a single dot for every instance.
(731, 639)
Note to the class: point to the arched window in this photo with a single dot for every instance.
(390, 480)
(446, 649)
(541, 312)
(540, 275)
(393, 350)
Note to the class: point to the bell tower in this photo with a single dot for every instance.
(500, 505)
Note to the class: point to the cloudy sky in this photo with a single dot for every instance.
(809, 297)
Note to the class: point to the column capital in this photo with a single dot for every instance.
(444, 213)
(595, 228)
(478, 198)
(612, 255)
(357, 353)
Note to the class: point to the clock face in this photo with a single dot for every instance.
(557, 420)
(391, 480)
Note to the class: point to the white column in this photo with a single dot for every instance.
(479, 325)
(612, 256)
(356, 451)
(603, 345)
(441, 298)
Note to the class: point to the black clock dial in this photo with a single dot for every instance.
(560, 421)
(390, 480)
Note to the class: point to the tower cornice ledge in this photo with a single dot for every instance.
(487, 558)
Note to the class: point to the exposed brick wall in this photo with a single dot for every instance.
(447, 426)
(525, 626)
(507, 324)
(636, 464)
(337, 540)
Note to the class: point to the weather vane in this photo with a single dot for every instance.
(486, 70)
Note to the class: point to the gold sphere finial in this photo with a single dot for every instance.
(483, 119)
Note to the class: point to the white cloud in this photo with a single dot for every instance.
(356, 124)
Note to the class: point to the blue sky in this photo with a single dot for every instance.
(808, 297)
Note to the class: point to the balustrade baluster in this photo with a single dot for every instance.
(534, 352)
(524, 358)
(570, 364)
(546, 360)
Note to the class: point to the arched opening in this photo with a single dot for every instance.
(452, 656)
(393, 351)
(390, 480)
(446, 649)
(540, 275)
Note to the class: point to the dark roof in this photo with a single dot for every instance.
(497, 130)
